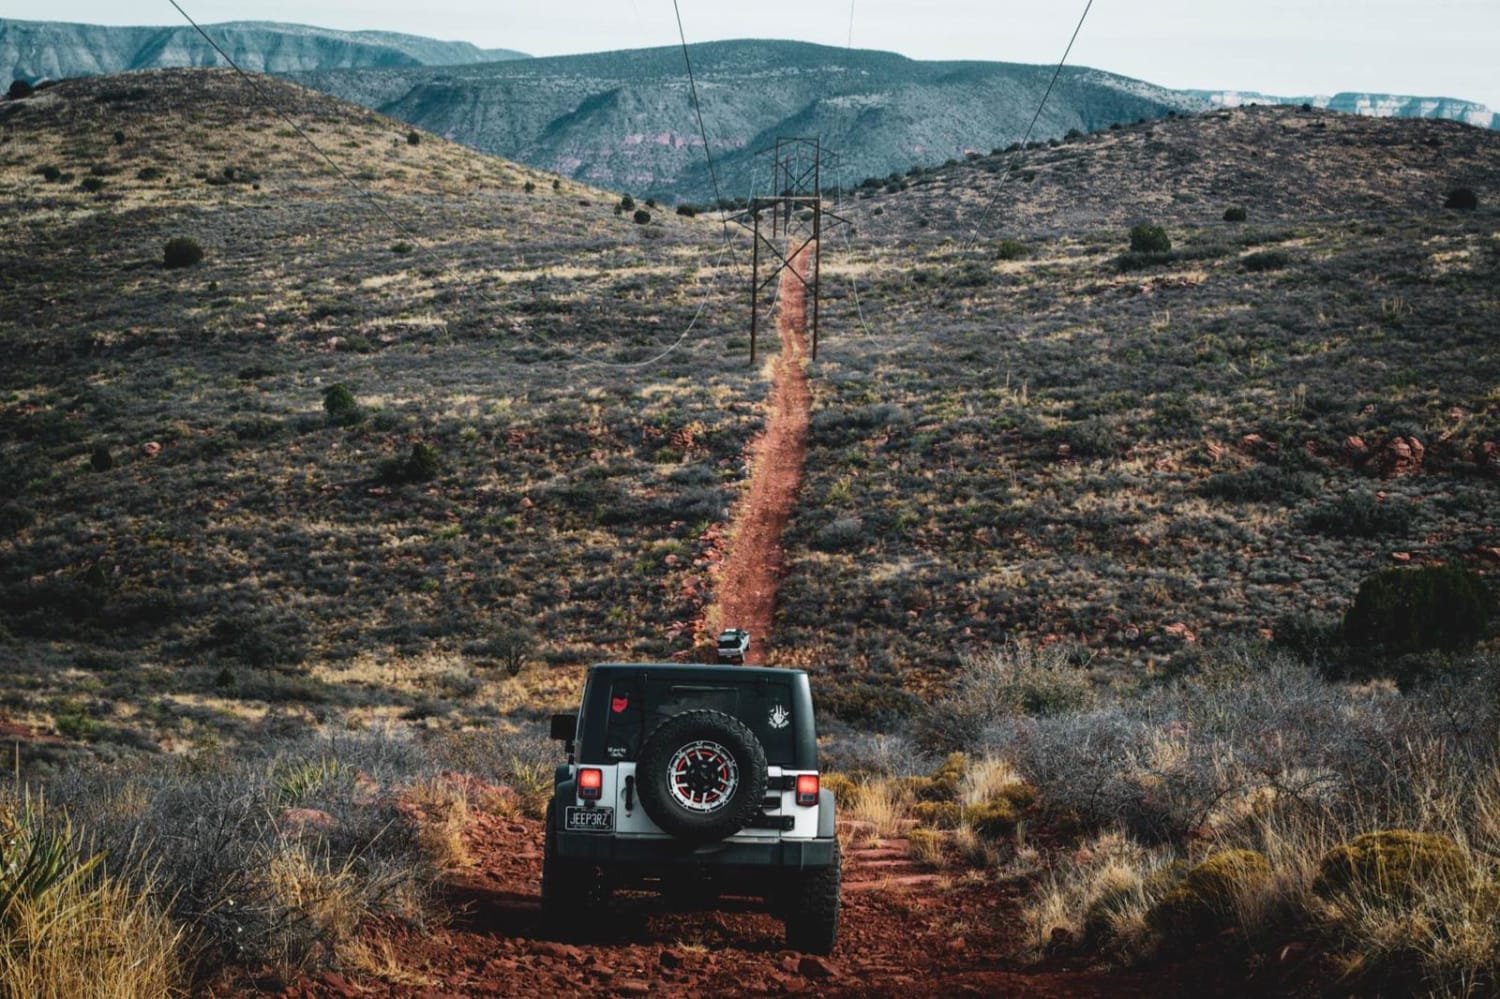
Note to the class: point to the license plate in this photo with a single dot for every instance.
(589, 819)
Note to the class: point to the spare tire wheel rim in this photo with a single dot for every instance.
(702, 776)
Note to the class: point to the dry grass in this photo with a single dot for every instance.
(67, 928)
(882, 808)
(444, 812)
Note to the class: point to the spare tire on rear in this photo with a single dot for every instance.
(701, 775)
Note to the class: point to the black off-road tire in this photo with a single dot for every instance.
(572, 892)
(666, 771)
(812, 907)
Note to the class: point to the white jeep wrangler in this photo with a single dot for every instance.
(693, 780)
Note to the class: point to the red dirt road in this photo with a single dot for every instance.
(904, 933)
(753, 564)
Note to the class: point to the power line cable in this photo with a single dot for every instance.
(698, 109)
(1009, 166)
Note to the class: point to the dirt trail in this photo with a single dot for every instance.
(906, 931)
(752, 567)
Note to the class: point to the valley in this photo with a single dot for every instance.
(305, 539)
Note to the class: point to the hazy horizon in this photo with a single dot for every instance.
(1440, 49)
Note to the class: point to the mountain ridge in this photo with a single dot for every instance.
(37, 50)
(626, 119)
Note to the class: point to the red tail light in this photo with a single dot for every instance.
(590, 783)
(807, 789)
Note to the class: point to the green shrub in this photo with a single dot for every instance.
(421, 465)
(49, 173)
(19, 90)
(1147, 238)
(1360, 515)
(413, 138)
(1392, 866)
(181, 251)
(938, 814)
(627, 203)
(1266, 260)
(687, 211)
(340, 405)
(641, 216)
(1442, 607)
(1210, 897)
(1011, 249)
(1261, 484)
(1463, 199)
(401, 248)
(148, 173)
(1235, 214)
(100, 458)
(845, 788)
(994, 818)
(93, 185)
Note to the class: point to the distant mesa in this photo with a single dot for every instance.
(1372, 105)
(50, 50)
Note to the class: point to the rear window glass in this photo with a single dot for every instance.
(636, 707)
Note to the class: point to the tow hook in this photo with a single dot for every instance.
(629, 793)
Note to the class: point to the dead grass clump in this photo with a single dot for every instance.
(1099, 897)
(882, 806)
(68, 928)
(265, 862)
(442, 808)
(844, 788)
(926, 846)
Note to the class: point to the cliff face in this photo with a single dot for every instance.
(34, 50)
(1372, 105)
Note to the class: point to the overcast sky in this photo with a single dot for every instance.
(1437, 48)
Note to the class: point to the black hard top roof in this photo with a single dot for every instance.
(684, 669)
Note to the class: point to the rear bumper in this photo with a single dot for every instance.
(783, 854)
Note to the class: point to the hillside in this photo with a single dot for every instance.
(35, 50)
(191, 539)
(625, 120)
(1044, 434)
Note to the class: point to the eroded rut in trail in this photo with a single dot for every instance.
(748, 577)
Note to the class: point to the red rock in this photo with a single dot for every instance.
(815, 967)
(561, 951)
(1401, 556)
(958, 945)
(1402, 456)
(1180, 631)
(296, 821)
(1355, 445)
(634, 987)
(151, 449)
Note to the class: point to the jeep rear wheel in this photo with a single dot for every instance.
(701, 775)
(812, 907)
